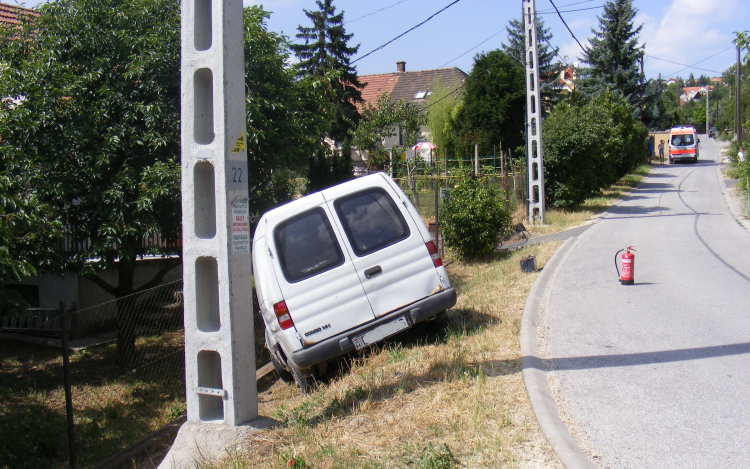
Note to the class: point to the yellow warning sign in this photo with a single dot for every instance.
(239, 144)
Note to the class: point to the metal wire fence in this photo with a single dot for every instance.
(122, 363)
(428, 184)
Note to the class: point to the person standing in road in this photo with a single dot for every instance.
(741, 155)
(661, 152)
(650, 149)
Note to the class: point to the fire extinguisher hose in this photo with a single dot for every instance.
(617, 268)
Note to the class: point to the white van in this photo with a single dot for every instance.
(341, 269)
(683, 144)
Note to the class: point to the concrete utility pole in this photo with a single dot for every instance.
(708, 111)
(737, 115)
(533, 116)
(219, 340)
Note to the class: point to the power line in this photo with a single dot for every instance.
(446, 63)
(696, 63)
(681, 65)
(377, 11)
(566, 25)
(577, 3)
(544, 12)
(407, 31)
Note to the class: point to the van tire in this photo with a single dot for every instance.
(282, 372)
(304, 382)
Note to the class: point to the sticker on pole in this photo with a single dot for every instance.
(240, 227)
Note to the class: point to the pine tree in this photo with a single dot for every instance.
(325, 50)
(613, 55)
(549, 70)
(516, 48)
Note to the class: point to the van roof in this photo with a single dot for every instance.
(682, 130)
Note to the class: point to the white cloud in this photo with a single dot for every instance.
(690, 30)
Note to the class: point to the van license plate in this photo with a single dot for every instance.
(380, 332)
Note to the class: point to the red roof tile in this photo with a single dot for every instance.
(405, 85)
(9, 13)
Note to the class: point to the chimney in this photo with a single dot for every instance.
(401, 67)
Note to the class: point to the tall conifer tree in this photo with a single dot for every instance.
(613, 55)
(325, 50)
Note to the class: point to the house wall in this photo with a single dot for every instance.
(53, 289)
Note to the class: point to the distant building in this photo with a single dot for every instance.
(693, 93)
(671, 81)
(566, 80)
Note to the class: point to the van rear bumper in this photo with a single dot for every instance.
(340, 344)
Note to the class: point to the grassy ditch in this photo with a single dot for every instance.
(433, 398)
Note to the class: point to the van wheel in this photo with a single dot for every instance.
(282, 373)
(304, 383)
(441, 318)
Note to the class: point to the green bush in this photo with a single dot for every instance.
(473, 217)
(589, 145)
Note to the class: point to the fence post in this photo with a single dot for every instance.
(66, 383)
(437, 201)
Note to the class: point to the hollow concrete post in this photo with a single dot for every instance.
(219, 342)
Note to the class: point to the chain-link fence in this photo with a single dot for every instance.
(123, 370)
(428, 184)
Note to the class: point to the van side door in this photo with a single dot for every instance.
(386, 246)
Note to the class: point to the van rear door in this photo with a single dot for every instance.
(386, 246)
(316, 275)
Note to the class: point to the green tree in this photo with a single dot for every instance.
(12, 267)
(493, 110)
(548, 68)
(614, 55)
(588, 145)
(94, 133)
(442, 109)
(381, 121)
(325, 50)
(284, 115)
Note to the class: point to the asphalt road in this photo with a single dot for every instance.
(657, 375)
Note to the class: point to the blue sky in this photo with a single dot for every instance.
(681, 31)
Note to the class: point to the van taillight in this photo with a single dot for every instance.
(282, 315)
(434, 254)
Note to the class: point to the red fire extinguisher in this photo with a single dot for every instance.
(628, 266)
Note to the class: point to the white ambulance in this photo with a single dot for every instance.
(683, 144)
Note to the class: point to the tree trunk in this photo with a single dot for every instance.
(126, 314)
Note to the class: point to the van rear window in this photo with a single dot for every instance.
(371, 220)
(685, 139)
(307, 246)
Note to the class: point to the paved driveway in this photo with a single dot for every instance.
(657, 375)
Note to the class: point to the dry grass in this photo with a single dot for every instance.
(429, 399)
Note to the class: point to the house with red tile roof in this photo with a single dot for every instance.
(413, 87)
(693, 93)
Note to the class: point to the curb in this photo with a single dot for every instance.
(535, 374)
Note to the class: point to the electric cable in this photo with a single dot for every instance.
(405, 32)
(452, 92)
(377, 11)
(545, 12)
(681, 65)
(568, 27)
(576, 3)
(453, 60)
(696, 63)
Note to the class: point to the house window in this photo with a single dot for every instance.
(420, 95)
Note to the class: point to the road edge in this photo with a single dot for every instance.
(535, 374)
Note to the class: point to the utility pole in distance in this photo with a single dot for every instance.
(737, 115)
(533, 116)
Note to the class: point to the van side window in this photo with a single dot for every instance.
(307, 245)
(371, 220)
